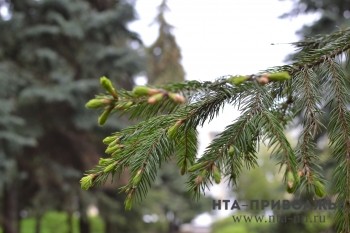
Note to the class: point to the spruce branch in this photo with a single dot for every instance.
(339, 136)
(186, 148)
(269, 101)
(309, 100)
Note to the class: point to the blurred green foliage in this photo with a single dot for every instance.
(229, 225)
(56, 222)
(332, 15)
(51, 57)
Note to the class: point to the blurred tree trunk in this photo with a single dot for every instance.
(70, 220)
(108, 225)
(83, 220)
(10, 209)
(173, 227)
(84, 223)
(38, 217)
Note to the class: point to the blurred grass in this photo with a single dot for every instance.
(56, 222)
(228, 225)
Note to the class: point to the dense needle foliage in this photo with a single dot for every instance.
(269, 102)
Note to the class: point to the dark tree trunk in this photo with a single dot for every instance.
(83, 220)
(108, 226)
(70, 221)
(84, 224)
(10, 209)
(38, 217)
(173, 228)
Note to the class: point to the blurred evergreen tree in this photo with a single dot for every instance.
(334, 14)
(51, 54)
(164, 55)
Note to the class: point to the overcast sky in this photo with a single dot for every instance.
(220, 37)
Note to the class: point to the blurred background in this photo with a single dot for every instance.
(52, 53)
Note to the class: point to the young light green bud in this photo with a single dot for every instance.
(279, 76)
(155, 98)
(137, 178)
(231, 151)
(300, 174)
(237, 80)
(97, 103)
(87, 181)
(128, 202)
(110, 139)
(263, 79)
(197, 166)
(198, 180)
(319, 189)
(116, 153)
(112, 148)
(139, 91)
(103, 117)
(172, 131)
(290, 181)
(127, 105)
(290, 176)
(110, 167)
(216, 174)
(290, 189)
(107, 84)
(103, 161)
(177, 98)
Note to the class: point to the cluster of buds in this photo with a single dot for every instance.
(262, 79)
(108, 86)
(110, 167)
(109, 103)
(109, 164)
(114, 145)
(113, 148)
(206, 167)
(200, 178)
(114, 102)
(157, 95)
(293, 181)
